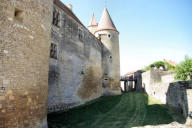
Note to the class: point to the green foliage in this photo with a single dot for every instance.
(146, 68)
(159, 64)
(184, 69)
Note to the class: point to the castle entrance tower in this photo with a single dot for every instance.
(109, 36)
(25, 29)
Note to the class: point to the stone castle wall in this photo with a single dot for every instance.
(156, 83)
(179, 96)
(161, 85)
(75, 75)
(24, 62)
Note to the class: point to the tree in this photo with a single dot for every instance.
(184, 69)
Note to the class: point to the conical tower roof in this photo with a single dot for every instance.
(93, 21)
(106, 22)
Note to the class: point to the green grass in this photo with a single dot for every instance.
(124, 111)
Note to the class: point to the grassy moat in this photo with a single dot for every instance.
(124, 111)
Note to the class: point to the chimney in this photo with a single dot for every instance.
(70, 6)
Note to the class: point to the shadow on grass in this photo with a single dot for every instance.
(124, 111)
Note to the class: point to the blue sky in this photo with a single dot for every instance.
(150, 30)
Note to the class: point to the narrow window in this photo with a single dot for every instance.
(110, 59)
(56, 18)
(80, 34)
(18, 15)
(2, 88)
(53, 51)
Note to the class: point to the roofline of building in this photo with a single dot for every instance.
(106, 29)
(70, 13)
(67, 10)
(92, 25)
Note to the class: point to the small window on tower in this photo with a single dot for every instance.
(110, 59)
(53, 51)
(109, 36)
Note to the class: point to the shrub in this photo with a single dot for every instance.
(159, 64)
(184, 69)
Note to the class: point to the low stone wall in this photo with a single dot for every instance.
(156, 83)
(179, 96)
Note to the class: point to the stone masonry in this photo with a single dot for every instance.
(49, 59)
(177, 95)
(76, 71)
(156, 83)
(82, 66)
(24, 60)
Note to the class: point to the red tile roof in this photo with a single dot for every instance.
(170, 62)
(129, 73)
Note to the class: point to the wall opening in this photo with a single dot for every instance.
(106, 79)
(110, 59)
(53, 51)
(190, 115)
(80, 34)
(2, 89)
(56, 18)
(18, 15)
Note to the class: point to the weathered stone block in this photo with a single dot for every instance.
(24, 61)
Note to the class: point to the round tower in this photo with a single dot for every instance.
(93, 24)
(109, 36)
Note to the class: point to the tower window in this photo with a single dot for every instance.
(110, 59)
(109, 35)
(56, 18)
(53, 51)
(18, 15)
